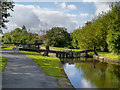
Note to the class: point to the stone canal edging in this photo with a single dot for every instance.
(108, 60)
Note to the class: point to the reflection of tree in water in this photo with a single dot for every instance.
(101, 75)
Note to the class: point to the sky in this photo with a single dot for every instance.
(40, 15)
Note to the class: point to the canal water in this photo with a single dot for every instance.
(89, 73)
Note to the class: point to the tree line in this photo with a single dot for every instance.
(103, 32)
(20, 35)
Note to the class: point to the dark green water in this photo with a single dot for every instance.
(88, 73)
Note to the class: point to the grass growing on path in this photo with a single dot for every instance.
(3, 62)
(50, 65)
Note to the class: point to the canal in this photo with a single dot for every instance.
(89, 73)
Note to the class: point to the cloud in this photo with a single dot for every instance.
(90, 0)
(65, 0)
(36, 18)
(84, 14)
(100, 0)
(72, 7)
(63, 5)
(101, 7)
(86, 84)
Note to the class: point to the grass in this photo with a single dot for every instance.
(50, 65)
(7, 47)
(3, 62)
(60, 48)
(66, 49)
(108, 55)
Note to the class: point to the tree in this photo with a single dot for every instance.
(4, 7)
(58, 37)
(75, 38)
(103, 32)
(113, 37)
(20, 35)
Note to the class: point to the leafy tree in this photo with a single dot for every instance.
(20, 35)
(4, 7)
(113, 37)
(75, 38)
(103, 32)
(58, 37)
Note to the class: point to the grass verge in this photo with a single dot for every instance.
(50, 65)
(3, 62)
(7, 47)
(59, 48)
(108, 55)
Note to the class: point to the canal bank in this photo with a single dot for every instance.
(107, 60)
(90, 73)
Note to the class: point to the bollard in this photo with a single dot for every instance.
(86, 54)
(94, 49)
(66, 55)
(46, 52)
(60, 55)
(72, 54)
(56, 54)
(38, 47)
(63, 55)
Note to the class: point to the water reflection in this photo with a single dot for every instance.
(88, 73)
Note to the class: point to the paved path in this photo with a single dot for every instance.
(22, 72)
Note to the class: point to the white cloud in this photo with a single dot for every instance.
(86, 84)
(36, 18)
(63, 5)
(100, 0)
(101, 7)
(72, 7)
(90, 0)
(71, 15)
(84, 14)
(66, 0)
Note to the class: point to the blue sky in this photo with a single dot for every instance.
(81, 7)
(38, 16)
